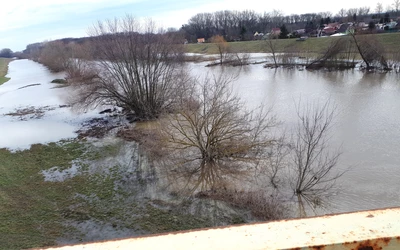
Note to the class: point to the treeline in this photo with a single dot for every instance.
(6, 53)
(241, 25)
(59, 55)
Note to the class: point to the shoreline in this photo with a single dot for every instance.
(4, 69)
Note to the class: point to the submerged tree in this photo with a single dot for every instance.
(313, 168)
(213, 139)
(222, 47)
(135, 68)
(371, 50)
(271, 46)
(335, 47)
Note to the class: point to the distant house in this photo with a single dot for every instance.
(343, 28)
(258, 36)
(333, 25)
(329, 31)
(201, 40)
(275, 32)
(390, 26)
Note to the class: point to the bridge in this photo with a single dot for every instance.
(364, 230)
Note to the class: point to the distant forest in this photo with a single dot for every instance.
(241, 25)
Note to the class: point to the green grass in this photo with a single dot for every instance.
(311, 45)
(29, 207)
(36, 213)
(3, 69)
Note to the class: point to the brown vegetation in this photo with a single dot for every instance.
(135, 69)
(222, 46)
(371, 51)
(313, 165)
(215, 139)
(262, 206)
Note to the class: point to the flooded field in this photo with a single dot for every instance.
(366, 127)
(33, 110)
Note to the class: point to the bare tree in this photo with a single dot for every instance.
(78, 67)
(335, 47)
(342, 13)
(313, 164)
(371, 50)
(362, 11)
(135, 68)
(379, 8)
(55, 55)
(271, 47)
(396, 5)
(222, 47)
(351, 12)
(214, 140)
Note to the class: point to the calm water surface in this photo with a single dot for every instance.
(367, 127)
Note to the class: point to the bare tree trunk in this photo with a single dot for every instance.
(358, 46)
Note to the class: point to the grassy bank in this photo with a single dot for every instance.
(35, 212)
(3, 69)
(312, 45)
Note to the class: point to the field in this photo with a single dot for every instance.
(60, 207)
(3, 69)
(312, 45)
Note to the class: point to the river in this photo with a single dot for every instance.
(366, 127)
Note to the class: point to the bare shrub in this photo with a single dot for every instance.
(216, 141)
(147, 135)
(240, 59)
(55, 55)
(78, 69)
(371, 51)
(222, 47)
(350, 52)
(313, 168)
(135, 68)
(272, 48)
(289, 55)
(330, 54)
(261, 205)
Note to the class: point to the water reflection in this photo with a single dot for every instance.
(367, 125)
(22, 130)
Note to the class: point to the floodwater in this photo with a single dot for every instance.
(47, 119)
(366, 128)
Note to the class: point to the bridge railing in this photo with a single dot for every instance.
(365, 230)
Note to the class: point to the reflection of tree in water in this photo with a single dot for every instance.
(214, 149)
(312, 169)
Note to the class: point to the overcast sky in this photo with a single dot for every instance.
(26, 21)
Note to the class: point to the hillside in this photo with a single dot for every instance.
(311, 45)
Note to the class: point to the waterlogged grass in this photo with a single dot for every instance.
(29, 207)
(38, 213)
(311, 45)
(3, 69)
